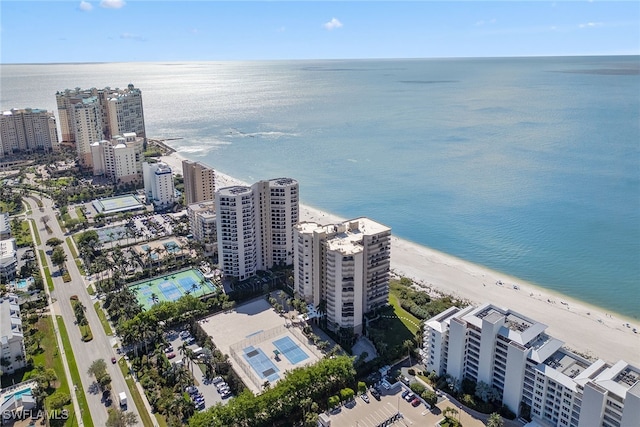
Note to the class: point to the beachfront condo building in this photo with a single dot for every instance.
(255, 226)
(11, 335)
(346, 265)
(92, 115)
(119, 159)
(202, 224)
(27, 131)
(199, 182)
(158, 185)
(529, 371)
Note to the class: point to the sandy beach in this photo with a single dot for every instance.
(584, 328)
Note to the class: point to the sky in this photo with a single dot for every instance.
(201, 30)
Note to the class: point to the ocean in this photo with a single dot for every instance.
(529, 166)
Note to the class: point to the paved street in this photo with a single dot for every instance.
(101, 347)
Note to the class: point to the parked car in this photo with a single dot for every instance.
(217, 380)
(404, 394)
(171, 355)
(113, 360)
(168, 349)
(409, 397)
(221, 384)
(375, 393)
(415, 402)
(191, 389)
(365, 397)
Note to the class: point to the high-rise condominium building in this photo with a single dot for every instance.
(91, 115)
(11, 335)
(346, 265)
(202, 223)
(158, 184)
(8, 259)
(531, 372)
(199, 182)
(26, 131)
(255, 226)
(119, 159)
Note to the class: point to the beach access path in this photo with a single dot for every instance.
(586, 329)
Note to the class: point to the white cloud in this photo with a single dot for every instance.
(482, 22)
(130, 36)
(112, 4)
(591, 25)
(333, 24)
(85, 6)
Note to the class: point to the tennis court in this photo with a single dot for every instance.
(114, 204)
(261, 363)
(172, 287)
(290, 350)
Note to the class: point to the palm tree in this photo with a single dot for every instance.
(408, 345)
(154, 298)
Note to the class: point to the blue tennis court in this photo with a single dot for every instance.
(291, 350)
(261, 363)
(173, 286)
(169, 290)
(187, 284)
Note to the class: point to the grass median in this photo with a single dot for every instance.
(74, 254)
(75, 375)
(45, 268)
(35, 232)
(103, 318)
(135, 395)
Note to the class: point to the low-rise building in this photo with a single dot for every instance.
(8, 259)
(11, 335)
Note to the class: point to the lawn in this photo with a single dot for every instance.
(35, 231)
(49, 358)
(103, 318)
(72, 248)
(409, 320)
(80, 214)
(45, 268)
(135, 395)
(75, 375)
(22, 234)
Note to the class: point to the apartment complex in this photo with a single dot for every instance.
(202, 223)
(27, 131)
(158, 184)
(347, 265)
(11, 335)
(92, 115)
(255, 226)
(8, 259)
(199, 182)
(119, 159)
(532, 372)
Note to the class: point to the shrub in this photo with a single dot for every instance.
(417, 388)
(411, 371)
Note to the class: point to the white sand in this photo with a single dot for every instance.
(584, 328)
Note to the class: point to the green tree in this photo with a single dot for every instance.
(362, 387)
(119, 418)
(333, 401)
(495, 420)
(53, 242)
(58, 257)
(58, 400)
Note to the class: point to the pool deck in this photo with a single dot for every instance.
(246, 321)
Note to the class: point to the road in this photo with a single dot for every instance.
(101, 347)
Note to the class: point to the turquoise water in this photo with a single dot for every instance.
(529, 166)
(26, 391)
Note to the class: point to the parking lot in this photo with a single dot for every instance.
(376, 412)
(206, 389)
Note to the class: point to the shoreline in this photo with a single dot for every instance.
(573, 321)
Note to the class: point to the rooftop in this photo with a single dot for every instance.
(567, 363)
